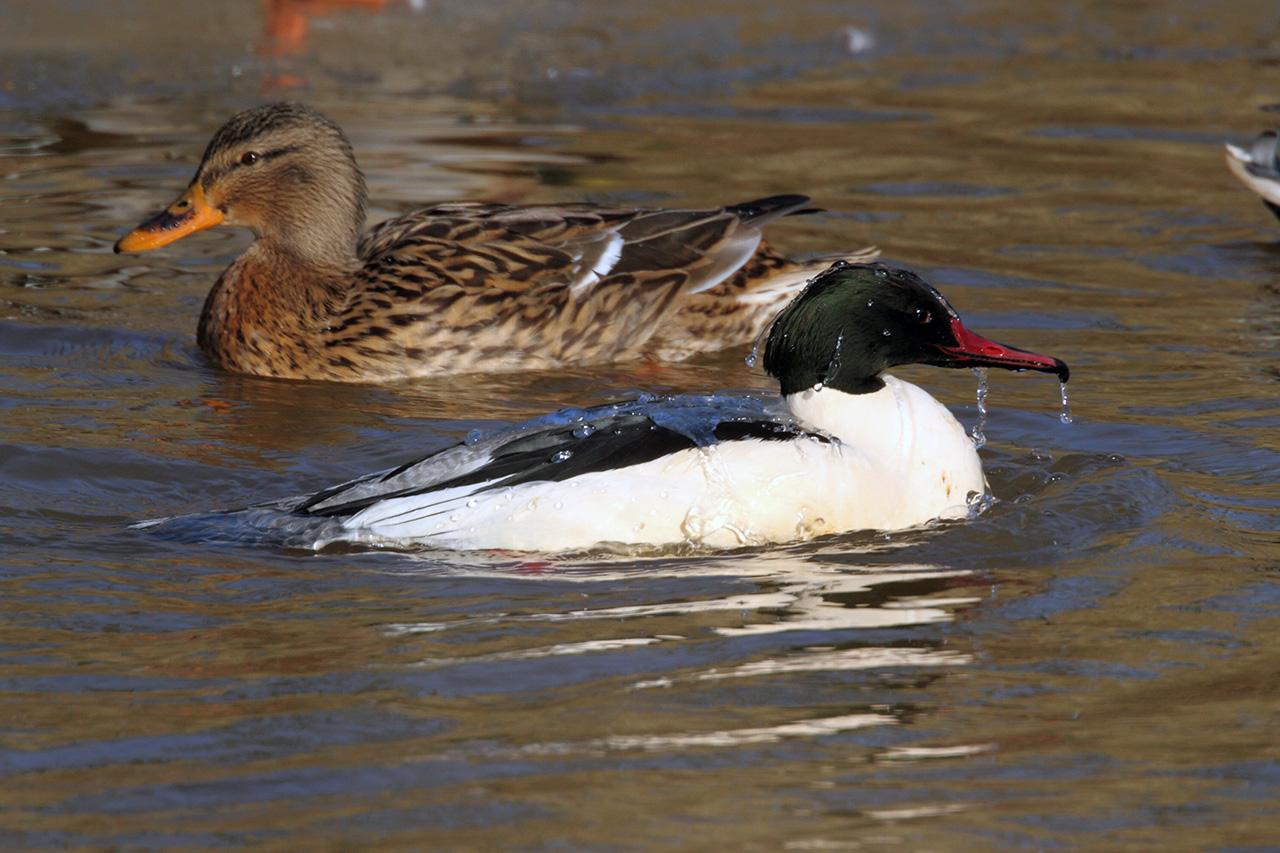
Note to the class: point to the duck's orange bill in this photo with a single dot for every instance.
(189, 214)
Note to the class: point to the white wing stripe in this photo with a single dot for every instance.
(598, 260)
(383, 512)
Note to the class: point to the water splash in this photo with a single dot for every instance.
(753, 357)
(1065, 417)
(979, 434)
(979, 502)
(833, 366)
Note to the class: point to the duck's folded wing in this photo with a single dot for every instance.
(568, 445)
(548, 276)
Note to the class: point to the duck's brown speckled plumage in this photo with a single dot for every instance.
(462, 287)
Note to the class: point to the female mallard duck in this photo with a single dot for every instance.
(455, 287)
(1258, 168)
(849, 448)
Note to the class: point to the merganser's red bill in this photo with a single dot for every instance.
(973, 350)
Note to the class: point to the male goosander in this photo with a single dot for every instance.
(456, 288)
(1258, 168)
(848, 447)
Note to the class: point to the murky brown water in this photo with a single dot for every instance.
(1092, 663)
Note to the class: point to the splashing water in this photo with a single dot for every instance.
(979, 434)
(1065, 417)
(979, 503)
(833, 366)
(754, 356)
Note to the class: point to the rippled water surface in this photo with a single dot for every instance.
(1092, 663)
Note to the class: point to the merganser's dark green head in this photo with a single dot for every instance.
(854, 321)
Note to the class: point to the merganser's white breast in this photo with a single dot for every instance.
(745, 475)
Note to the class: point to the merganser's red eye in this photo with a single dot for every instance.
(923, 316)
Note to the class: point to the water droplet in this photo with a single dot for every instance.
(886, 332)
(472, 502)
(561, 456)
(818, 387)
(583, 431)
(559, 505)
(473, 438)
(754, 355)
(979, 435)
(1065, 417)
(871, 303)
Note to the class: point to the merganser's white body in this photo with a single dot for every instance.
(898, 459)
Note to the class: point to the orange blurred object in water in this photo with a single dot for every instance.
(287, 20)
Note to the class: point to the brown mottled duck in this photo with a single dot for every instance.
(461, 287)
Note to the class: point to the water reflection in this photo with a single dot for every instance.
(725, 738)
(817, 608)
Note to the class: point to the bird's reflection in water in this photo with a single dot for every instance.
(816, 606)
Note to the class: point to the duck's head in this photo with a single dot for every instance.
(1257, 167)
(285, 172)
(854, 321)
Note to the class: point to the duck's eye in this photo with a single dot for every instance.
(248, 158)
(923, 316)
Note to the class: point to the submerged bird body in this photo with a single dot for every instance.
(1258, 168)
(456, 287)
(848, 447)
